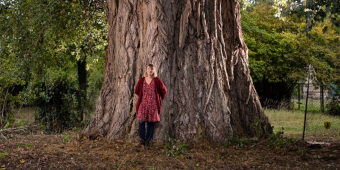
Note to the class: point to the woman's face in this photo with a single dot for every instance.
(150, 71)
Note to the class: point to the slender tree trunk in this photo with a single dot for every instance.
(82, 80)
(4, 108)
(82, 74)
(198, 48)
(322, 99)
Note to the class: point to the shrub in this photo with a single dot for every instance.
(55, 97)
(334, 106)
(259, 127)
(174, 148)
(327, 124)
(277, 140)
(9, 122)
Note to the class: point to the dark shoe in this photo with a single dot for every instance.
(147, 143)
(141, 142)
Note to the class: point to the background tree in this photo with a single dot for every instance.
(60, 47)
(315, 11)
(277, 58)
(200, 54)
(279, 51)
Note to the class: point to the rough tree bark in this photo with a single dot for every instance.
(198, 48)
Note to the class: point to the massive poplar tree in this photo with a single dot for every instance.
(198, 48)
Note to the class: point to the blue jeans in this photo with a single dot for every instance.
(149, 131)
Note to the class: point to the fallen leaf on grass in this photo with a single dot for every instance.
(22, 161)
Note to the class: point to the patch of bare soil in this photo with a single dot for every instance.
(73, 151)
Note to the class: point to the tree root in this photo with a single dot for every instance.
(19, 130)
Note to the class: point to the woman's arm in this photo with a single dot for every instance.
(162, 88)
(137, 89)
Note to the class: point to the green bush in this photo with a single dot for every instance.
(12, 122)
(277, 140)
(327, 124)
(259, 127)
(55, 97)
(334, 106)
(9, 122)
(174, 148)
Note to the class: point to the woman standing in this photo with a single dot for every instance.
(151, 91)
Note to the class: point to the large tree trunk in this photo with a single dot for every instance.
(198, 48)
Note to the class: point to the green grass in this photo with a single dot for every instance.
(3, 155)
(313, 105)
(292, 122)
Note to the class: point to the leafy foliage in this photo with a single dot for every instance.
(258, 126)
(174, 148)
(334, 105)
(277, 140)
(66, 137)
(40, 37)
(315, 11)
(276, 55)
(279, 51)
(10, 84)
(327, 124)
(55, 94)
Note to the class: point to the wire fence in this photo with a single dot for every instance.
(318, 98)
(311, 124)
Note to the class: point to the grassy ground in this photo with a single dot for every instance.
(292, 122)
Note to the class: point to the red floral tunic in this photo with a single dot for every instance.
(148, 110)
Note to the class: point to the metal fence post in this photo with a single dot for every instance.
(299, 88)
(304, 123)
